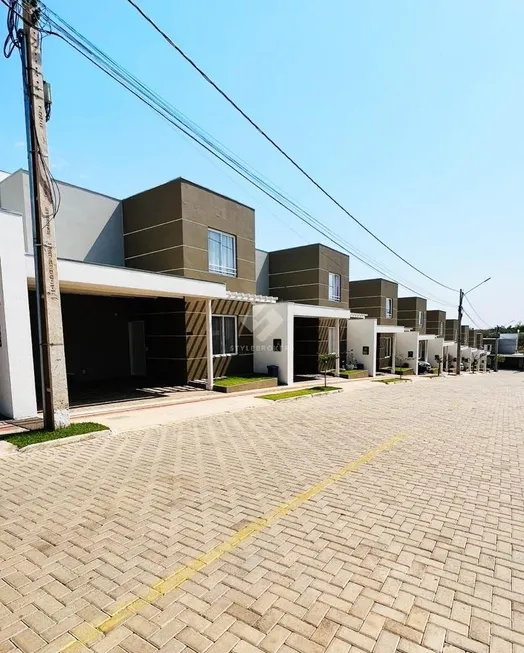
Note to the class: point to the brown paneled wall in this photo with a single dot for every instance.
(433, 320)
(408, 312)
(301, 274)
(451, 330)
(369, 296)
(164, 324)
(166, 230)
(196, 345)
(311, 339)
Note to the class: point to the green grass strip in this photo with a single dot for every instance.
(33, 437)
(239, 380)
(277, 396)
(392, 380)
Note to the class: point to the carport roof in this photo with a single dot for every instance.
(390, 328)
(312, 310)
(94, 279)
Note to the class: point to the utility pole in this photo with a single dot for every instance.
(459, 329)
(52, 354)
(496, 359)
(462, 294)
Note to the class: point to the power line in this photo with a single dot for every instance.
(474, 311)
(261, 131)
(123, 77)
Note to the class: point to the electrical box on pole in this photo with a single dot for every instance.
(54, 377)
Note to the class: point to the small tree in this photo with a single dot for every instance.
(326, 363)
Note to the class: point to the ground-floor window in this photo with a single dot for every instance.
(224, 335)
(332, 340)
(387, 347)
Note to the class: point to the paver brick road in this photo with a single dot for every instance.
(156, 540)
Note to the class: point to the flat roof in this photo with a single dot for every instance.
(77, 277)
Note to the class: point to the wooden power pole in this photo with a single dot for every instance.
(51, 337)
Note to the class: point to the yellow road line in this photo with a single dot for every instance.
(92, 634)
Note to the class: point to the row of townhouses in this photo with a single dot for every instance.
(167, 287)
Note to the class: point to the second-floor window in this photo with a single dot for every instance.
(334, 287)
(222, 253)
(421, 318)
(440, 328)
(389, 307)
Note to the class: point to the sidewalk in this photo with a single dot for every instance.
(131, 416)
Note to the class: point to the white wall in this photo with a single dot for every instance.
(435, 347)
(88, 225)
(272, 321)
(17, 383)
(363, 333)
(465, 352)
(407, 342)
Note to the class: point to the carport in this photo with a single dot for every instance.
(387, 349)
(275, 335)
(124, 331)
(101, 307)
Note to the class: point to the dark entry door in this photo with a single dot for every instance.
(137, 348)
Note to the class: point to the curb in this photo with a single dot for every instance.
(60, 442)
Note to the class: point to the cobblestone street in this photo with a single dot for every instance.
(382, 519)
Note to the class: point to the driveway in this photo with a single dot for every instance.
(387, 519)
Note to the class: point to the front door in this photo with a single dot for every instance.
(137, 347)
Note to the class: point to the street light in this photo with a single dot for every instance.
(462, 294)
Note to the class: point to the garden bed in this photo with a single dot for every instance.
(304, 392)
(354, 374)
(404, 371)
(391, 380)
(241, 383)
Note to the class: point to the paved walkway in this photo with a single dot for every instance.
(387, 519)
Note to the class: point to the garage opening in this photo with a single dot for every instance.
(119, 348)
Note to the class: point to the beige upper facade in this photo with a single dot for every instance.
(377, 298)
(175, 227)
(412, 313)
(436, 323)
(312, 274)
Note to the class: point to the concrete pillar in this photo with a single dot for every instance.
(337, 347)
(17, 377)
(209, 343)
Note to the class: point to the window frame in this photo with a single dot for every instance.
(332, 331)
(441, 328)
(388, 346)
(389, 314)
(224, 354)
(489, 347)
(337, 279)
(218, 269)
(420, 320)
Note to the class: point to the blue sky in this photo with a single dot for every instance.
(409, 112)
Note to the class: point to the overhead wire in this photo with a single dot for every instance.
(261, 131)
(474, 311)
(59, 27)
(14, 41)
